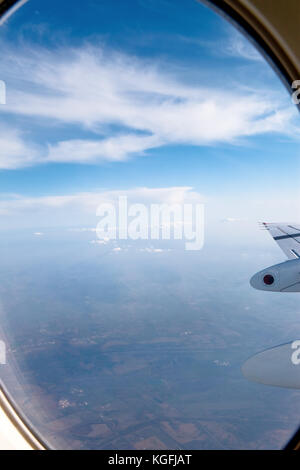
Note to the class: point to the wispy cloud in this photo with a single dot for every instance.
(98, 90)
(240, 47)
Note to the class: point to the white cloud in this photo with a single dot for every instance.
(233, 219)
(240, 47)
(80, 209)
(95, 89)
(219, 363)
(89, 151)
(100, 242)
(151, 249)
(14, 151)
(83, 229)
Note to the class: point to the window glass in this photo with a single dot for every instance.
(140, 144)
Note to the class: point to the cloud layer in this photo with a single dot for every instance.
(80, 208)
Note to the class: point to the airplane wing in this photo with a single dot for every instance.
(287, 237)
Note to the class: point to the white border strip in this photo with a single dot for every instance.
(14, 435)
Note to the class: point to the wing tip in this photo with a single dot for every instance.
(263, 225)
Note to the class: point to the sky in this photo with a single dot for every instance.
(158, 100)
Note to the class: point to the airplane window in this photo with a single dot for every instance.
(141, 143)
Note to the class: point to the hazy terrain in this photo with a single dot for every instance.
(143, 349)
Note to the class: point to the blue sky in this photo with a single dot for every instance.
(149, 94)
